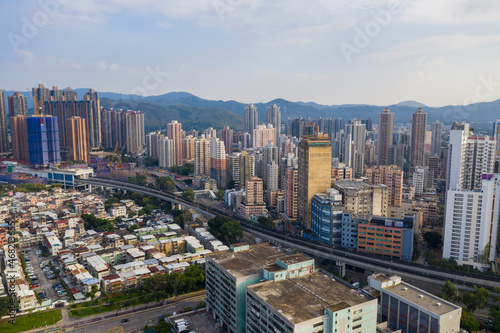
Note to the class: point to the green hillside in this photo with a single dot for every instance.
(192, 117)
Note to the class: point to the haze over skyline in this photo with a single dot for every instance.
(330, 52)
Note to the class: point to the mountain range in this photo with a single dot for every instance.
(201, 113)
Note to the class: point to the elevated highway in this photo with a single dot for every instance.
(356, 259)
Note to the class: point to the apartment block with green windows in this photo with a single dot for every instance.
(315, 302)
(228, 273)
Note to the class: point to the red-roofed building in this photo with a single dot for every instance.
(3, 237)
(61, 226)
(111, 283)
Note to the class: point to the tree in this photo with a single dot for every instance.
(231, 184)
(181, 219)
(148, 209)
(475, 299)
(132, 228)
(163, 327)
(430, 258)
(416, 254)
(220, 194)
(216, 223)
(131, 214)
(267, 221)
(150, 162)
(94, 289)
(450, 292)
(448, 263)
(495, 315)
(231, 231)
(4, 305)
(188, 193)
(468, 322)
(485, 254)
(165, 183)
(433, 238)
(496, 297)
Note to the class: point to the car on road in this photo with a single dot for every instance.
(124, 320)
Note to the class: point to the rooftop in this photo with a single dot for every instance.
(249, 262)
(305, 298)
(423, 298)
(294, 258)
(346, 184)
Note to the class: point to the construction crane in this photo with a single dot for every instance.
(111, 160)
(35, 104)
(123, 148)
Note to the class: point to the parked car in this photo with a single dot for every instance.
(35, 285)
(51, 277)
(57, 284)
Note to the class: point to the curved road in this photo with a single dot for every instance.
(362, 260)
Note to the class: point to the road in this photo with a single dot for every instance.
(366, 261)
(138, 320)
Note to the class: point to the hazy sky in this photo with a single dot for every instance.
(327, 51)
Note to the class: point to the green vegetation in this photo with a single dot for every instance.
(415, 254)
(450, 292)
(165, 184)
(167, 285)
(220, 194)
(128, 159)
(180, 217)
(142, 200)
(267, 221)
(44, 250)
(140, 179)
(4, 305)
(224, 229)
(495, 315)
(183, 170)
(162, 327)
(132, 228)
(150, 162)
(201, 305)
(92, 292)
(468, 321)
(38, 298)
(432, 260)
(28, 322)
(155, 289)
(31, 188)
(475, 299)
(434, 239)
(188, 193)
(92, 222)
(195, 117)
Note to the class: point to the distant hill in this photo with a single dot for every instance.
(191, 117)
(185, 107)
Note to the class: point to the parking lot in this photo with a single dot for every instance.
(201, 322)
(45, 284)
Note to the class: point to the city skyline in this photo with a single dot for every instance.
(330, 53)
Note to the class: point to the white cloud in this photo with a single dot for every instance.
(429, 46)
(26, 55)
(451, 12)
